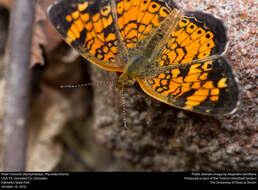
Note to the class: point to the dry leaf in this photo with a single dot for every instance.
(39, 37)
(1, 117)
(44, 151)
(1, 97)
(6, 3)
(53, 37)
(45, 34)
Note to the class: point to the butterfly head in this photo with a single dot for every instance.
(125, 81)
(131, 72)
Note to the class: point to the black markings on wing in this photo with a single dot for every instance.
(197, 35)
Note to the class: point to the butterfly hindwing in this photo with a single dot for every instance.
(205, 87)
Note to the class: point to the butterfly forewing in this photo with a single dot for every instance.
(100, 31)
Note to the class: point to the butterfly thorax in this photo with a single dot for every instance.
(131, 71)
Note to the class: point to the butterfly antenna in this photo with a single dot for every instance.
(124, 109)
(99, 83)
(105, 83)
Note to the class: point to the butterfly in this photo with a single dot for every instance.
(174, 55)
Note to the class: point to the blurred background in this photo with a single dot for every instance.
(81, 129)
